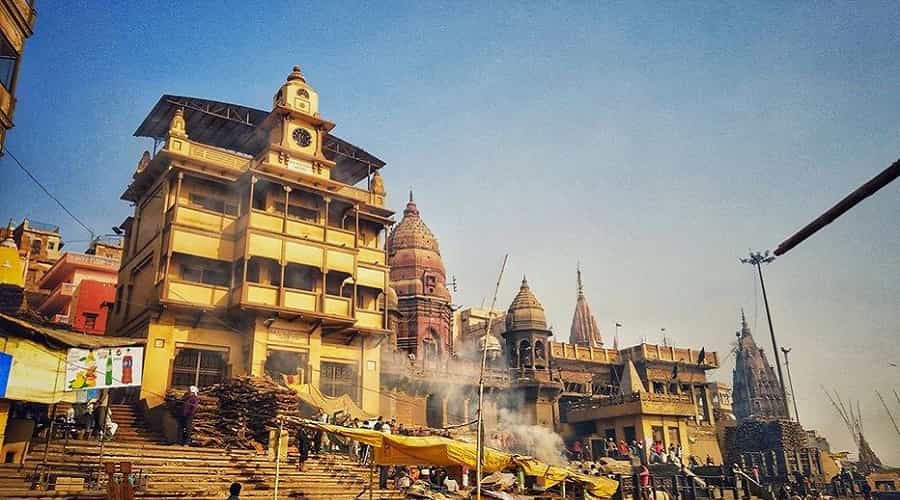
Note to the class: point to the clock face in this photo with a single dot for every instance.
(302, 137)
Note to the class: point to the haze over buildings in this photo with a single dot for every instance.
(655, 146)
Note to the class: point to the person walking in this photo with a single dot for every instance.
(303, 446)
(189, 405)
(234, 491)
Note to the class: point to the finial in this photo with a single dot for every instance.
(177, 126)
(296, 75)
(743, 318)
(580, 286)
(411, 196)
(524, 281)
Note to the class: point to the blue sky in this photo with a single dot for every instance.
(655, 143)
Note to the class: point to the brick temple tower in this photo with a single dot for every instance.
(756, 392)
(419, 278)
(584, 331)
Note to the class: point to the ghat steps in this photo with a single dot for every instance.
(188, 472)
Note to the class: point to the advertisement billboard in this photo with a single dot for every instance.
(104, 368)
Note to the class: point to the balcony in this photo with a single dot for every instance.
(341, 237)
(58, 300)
(224, 161)
(199, 218)
(301, 301)
(638, 403)
(373, 256)
(337, 306)
(197, 294)
(562, 350)
(651, 352)
(369, 319)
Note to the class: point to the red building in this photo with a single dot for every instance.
(80, 286)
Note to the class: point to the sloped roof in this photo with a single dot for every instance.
(31, 328)
(232, 127)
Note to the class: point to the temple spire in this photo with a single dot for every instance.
(580, 285)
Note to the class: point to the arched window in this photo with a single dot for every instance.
(525, 359)
(303, 93)
(432, 350)
(539, 354)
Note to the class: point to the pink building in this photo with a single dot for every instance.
(81, 286)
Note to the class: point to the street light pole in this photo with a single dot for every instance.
(787, 366)
(758, 259)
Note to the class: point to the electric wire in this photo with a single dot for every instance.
(48, 193)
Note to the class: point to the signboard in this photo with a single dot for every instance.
(104, 368)
(5, 367)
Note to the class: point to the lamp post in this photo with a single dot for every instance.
(758, 259)
(787, 366)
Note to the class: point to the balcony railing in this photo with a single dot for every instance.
(370, 255)
(652, 352)
(196, 293)
(631, 404)
(369, 319)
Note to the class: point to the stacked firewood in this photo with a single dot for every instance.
(263, 402)
(240, 412)
(761, 435)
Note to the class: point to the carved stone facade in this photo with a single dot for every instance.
(756, 391)
(417, 274)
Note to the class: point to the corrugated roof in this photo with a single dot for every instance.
(31, 329)
(232, 127)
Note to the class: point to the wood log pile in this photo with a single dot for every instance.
(240, 412)
(764, 435)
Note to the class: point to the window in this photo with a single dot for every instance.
(51, 245)
(303, 93)
(206, 271)
(9, 60)
(298, 212)
(301, 277)
(198, 367)
(214, 204)
(338, 379)
(288, 366)
(35, 246)
(90, 321)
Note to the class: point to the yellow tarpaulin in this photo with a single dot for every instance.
(392, 449)
(38, 374)
(312, 396)
(597, 486)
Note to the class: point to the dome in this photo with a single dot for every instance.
(489, 343)
(415, 258)
(525, 312)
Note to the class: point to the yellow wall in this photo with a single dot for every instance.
(165, 335)
(38, 374)
(247, 353)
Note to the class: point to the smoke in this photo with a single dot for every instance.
(514, 433)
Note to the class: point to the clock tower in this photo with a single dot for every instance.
(296, 131)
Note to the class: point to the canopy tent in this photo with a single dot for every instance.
(391, 449)
(312, 396)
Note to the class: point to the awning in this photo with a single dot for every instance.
(392, 449)
(312, 396)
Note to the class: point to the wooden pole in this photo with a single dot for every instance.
(278, 455)
(480, 430)
(888, 410)
(371, 474)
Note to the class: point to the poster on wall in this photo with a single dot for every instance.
(105, 368)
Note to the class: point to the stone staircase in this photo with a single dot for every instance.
(172, 471)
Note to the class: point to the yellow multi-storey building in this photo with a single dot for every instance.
(16, 25)
(256, 246)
